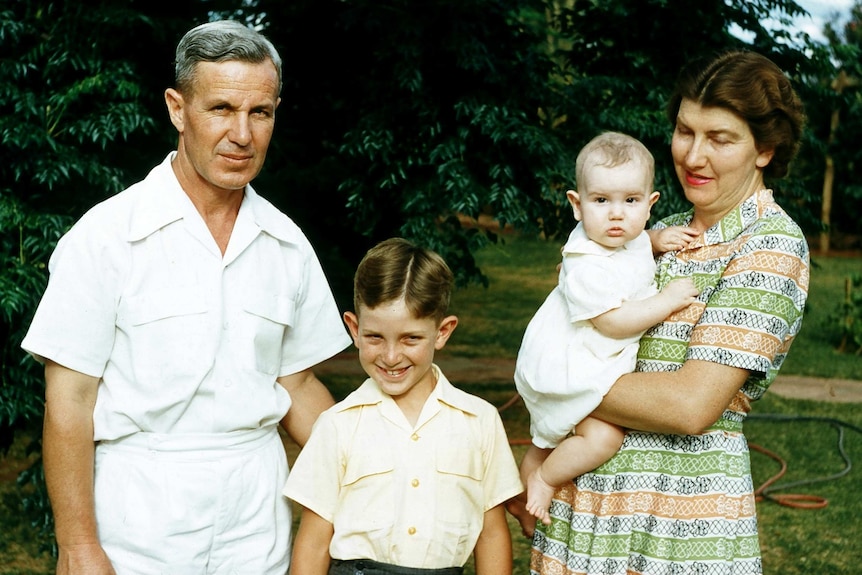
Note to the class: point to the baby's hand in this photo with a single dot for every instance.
(672, 239)
(682, 292)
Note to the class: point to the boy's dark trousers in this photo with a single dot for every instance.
(368, 567)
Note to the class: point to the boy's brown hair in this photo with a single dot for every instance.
(395, 269)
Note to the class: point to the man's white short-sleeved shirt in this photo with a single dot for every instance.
(413, 496)
(184, 339)
(565, 365)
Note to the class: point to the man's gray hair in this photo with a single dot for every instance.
(221, 41)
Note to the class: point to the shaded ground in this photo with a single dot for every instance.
(487, 370)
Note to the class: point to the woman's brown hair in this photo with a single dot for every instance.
(754, 88)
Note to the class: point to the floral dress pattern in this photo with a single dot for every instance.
(684, 504)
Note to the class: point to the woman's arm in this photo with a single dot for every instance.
(685, 401)
(694, 397)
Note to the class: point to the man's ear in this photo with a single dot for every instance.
(575, 200)
(175, 102)
(447, 326)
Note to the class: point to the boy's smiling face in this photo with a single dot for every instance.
(397, 349)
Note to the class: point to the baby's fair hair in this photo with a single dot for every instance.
(612, 149)
(395, 269)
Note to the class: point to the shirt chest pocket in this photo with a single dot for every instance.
(165, 332)
(461, 462)
(265, 319)
(155, 306)
(369, 480)
(460, 475)
(366, 464)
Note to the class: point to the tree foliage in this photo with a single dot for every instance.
(433, 110)
(66, 96)
(618, 77)
(425, 111)
(842, 91)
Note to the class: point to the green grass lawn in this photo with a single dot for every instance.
(826, 541)
(808, 541)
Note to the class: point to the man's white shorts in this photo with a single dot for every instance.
(194, 504)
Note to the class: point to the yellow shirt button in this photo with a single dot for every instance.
(415, 483)
(414, 437)
(412, 531)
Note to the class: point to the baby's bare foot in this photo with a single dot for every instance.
(539, 495)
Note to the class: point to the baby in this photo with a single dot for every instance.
(585, 335)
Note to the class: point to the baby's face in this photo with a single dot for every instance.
(614, 203)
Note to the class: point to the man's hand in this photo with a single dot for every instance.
(83, 559)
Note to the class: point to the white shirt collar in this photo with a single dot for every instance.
(166, 202)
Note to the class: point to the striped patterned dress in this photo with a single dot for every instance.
(684, 504)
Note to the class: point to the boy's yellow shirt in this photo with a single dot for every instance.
(405, 495)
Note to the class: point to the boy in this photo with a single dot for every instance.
(585, 335)
(407, 474)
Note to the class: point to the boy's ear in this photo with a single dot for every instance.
(653, 198)
(575, 200)
(447, 326)
(352, 323)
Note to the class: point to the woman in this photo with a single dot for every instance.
(678, 497)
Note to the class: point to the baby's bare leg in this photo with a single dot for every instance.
(595, 442)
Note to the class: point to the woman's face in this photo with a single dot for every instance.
(716, 160)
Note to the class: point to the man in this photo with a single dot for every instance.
(179, 328)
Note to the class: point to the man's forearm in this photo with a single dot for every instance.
(68, 452)
(309, 398)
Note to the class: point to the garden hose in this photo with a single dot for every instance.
(796, 500)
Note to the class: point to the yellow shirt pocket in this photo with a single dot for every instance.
(460, 473)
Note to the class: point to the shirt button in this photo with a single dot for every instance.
(228, 383)
(415, 483)
(412, 531)
(414, 437)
